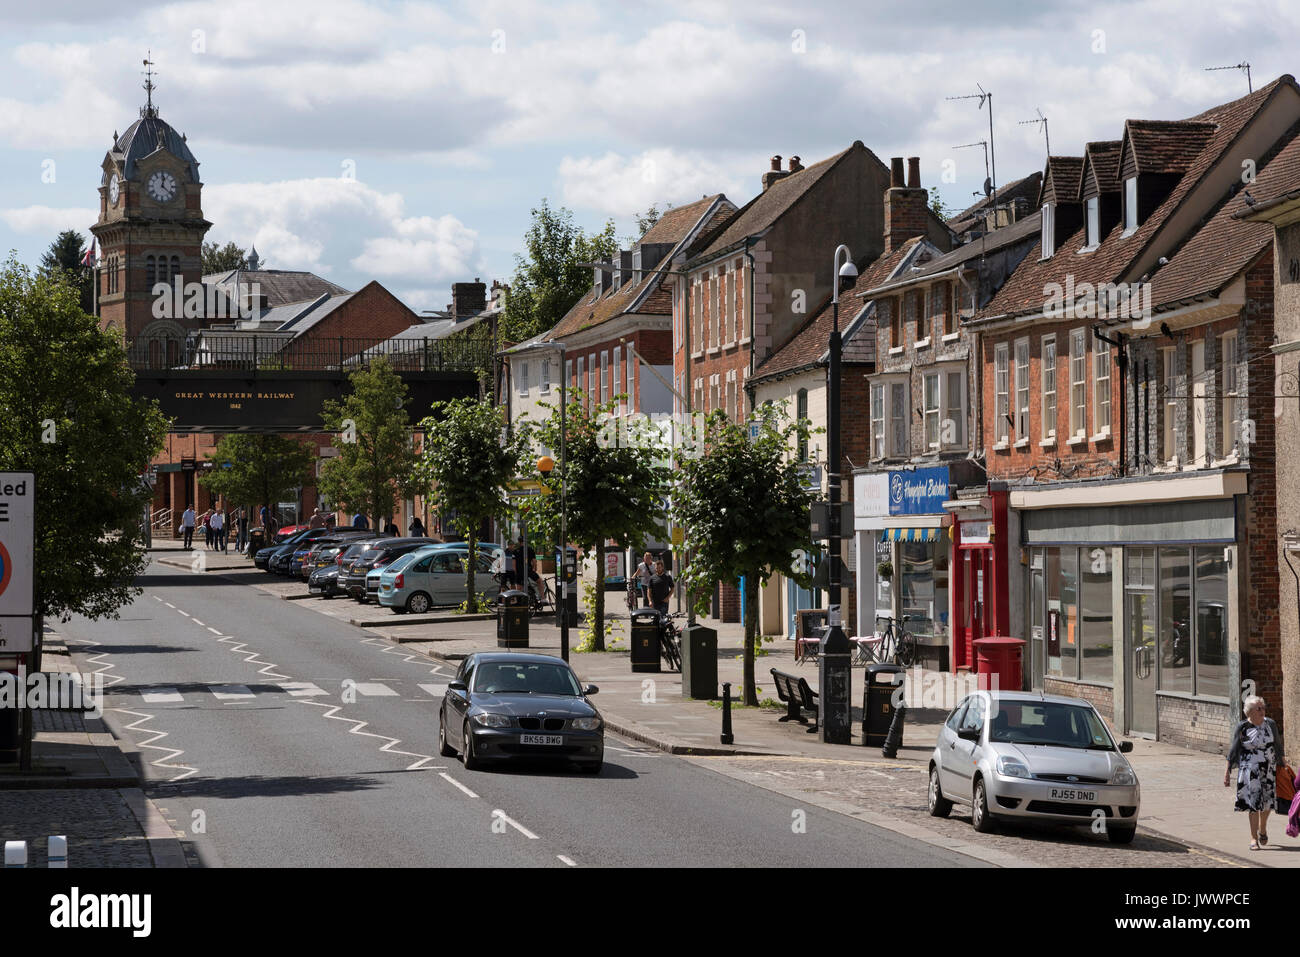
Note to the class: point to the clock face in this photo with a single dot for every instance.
(114, 189)
(162, 186)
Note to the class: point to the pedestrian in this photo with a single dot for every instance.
(360, 521)
(417, 528)
(187, 526)
(317, 519)
(264, 519)
(644, 572)
(1255, 748)
(216, 524)
(242, 523)
(207, 529)
(661, 587)
(329, 521)
(391, 529)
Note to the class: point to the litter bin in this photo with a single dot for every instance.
(999, 663)
(878, 702)
(9, 736)
(512, 620)
(256, 540)
(646, 626)
(700, 662)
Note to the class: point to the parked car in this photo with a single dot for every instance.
(324, 582)
(503, 705)
(434, 576)
(381, 552)
(322, 551)
(278, 562)
(263, 557)
(1017, 755)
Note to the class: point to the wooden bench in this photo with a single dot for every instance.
(797, 695)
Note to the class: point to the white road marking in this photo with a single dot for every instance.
(447, 777)
(373, 689)
(230, 692)
(438, 691)
(302, 689)
(185, 613)
(197, 622)
(169, 753)
(162, 696)
(213, 630)
(169, 604)
(516, 825)
(567, 860)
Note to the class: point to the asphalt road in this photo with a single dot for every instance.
(276, 736)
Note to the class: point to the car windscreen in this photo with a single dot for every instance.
(1050, 724)
(514, 677)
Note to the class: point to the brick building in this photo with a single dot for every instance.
(1128, 422)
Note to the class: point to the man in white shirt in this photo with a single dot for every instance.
(644, 572)
(218, 524)
(187, 526)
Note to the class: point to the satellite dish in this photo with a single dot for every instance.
(988, 186)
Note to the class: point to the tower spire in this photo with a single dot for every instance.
(148, 110)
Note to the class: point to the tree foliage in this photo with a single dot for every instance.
(745, 511)
(263, 468)
(615, 488)
(465, 464)
(376, 461)
(66, 413)
(222, 258)
(549, 279)
(63, 260)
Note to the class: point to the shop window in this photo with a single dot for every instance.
(1096, 616)
(923, 585)
(1069, 638)
(884, 594)
(1049, 388)
(1211, 622)
(1175, 649)
(1055, 626)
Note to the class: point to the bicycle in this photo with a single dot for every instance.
(670, 641)
(895, 647)
(540, 597)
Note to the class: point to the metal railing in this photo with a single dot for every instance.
(271, 352)
(161, 518)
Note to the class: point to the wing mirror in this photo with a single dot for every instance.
(969, 734)
(1125, 747)
(590, 689)
(457, 686)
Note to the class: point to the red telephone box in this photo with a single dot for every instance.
(980, 578)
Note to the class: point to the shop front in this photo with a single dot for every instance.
(1139, 606)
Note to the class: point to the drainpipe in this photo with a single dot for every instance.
(753, 344)
(1121, 360)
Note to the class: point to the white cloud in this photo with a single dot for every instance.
(423, 247)
(618, 185)
(49, 220)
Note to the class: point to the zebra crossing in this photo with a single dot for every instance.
(236, 693)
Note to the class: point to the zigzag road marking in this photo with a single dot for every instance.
(357, 725)
(388, 648)
(168, 753)
(253, 658)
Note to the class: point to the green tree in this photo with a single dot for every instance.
(67, 414)
(939, 207)
(551, 277)
(466, 466)
(222, 258)
(63, 259)
(376, 460)
(646, 220)
(745, 511)
(263, 468)
(616, 485)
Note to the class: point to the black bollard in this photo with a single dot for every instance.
(894, 737)
(727, 736)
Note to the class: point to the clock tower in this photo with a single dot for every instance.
(150, 230)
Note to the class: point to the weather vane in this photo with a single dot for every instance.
(148, 109)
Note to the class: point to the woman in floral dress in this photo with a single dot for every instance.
(1256, 750)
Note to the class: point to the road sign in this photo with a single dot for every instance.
(17, 560)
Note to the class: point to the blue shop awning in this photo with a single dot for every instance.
(910, 535)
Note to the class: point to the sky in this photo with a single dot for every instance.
(408, 141)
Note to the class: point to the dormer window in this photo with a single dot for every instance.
(1049, 230)
(1092, 210)
(1130, 204)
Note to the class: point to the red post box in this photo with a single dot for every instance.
(1001, 656)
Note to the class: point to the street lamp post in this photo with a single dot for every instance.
(836, 674)
(544, 465)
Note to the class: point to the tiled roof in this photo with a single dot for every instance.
(1017, 232)
(280, 286)
(1024, 291)
(1166, 146)
(765, 208)
(1063, 176)
(673, 227)
(810, 343)
(1025, 188)
(1103, 159)
(1225, 245)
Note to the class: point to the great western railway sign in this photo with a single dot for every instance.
(277, 401)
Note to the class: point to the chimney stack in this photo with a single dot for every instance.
(795, 165)
(906, 207)
(468, 298)
(775, 173)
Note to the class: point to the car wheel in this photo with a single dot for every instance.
(417, 603)
(1121, 835)
(467, 757)
(445, 749)
(939, 805)
(979, 815)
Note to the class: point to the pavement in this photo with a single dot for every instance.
(1186, 816)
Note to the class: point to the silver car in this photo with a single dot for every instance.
(1023, 755)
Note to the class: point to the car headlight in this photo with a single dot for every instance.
(1012, 768)
(493, 720)
(585, 724)
(1124, 776)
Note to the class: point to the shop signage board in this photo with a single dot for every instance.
(17, 560)
(918, 492)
